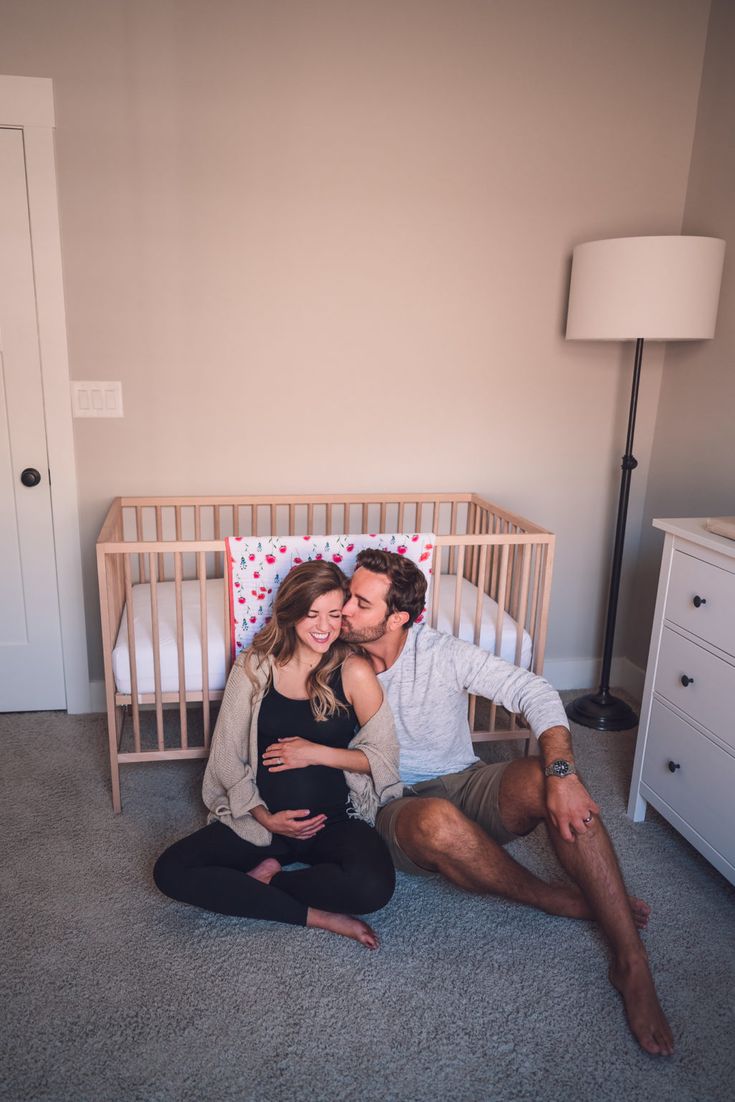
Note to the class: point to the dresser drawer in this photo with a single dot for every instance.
(701, 789)
(713, 618)
(709, 696)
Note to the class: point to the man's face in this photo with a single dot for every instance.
(365, 612)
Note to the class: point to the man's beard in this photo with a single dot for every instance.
(366, 635)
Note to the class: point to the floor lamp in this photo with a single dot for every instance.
(636, 289)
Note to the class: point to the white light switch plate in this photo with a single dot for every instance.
(96, 399)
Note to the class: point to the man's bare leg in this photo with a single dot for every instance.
(439, 838)
(590, 861)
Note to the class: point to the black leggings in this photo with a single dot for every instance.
(350, 872)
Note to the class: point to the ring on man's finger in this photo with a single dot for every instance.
(588, 820)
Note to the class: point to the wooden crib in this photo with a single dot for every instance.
(166, 614)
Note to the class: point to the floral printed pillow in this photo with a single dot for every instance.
(258, 564)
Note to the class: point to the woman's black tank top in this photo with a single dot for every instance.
(320, 788)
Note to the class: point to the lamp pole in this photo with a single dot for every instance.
(601, 710)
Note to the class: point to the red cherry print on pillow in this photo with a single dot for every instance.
(251, 558)
(350, 547)
(423, 556)
(337, 558)
(241, 600)
(297, 560)
(419, 618)
(414, 538)
(256, 573)
(401, 550)
(318, 555)
(282, 550)
(270, 558)
(253, 619)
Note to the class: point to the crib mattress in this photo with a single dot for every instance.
(168, 648)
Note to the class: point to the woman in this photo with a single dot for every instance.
(289, 781)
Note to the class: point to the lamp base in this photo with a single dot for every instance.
(602, 712)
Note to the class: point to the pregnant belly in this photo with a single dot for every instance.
(321, 790)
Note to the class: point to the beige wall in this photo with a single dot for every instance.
(693, 462)
(325, 245)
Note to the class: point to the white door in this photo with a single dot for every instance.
(31, 663)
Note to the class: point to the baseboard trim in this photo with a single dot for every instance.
(584, 673)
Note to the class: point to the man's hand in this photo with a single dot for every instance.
(291, 753)
(294, 824)
(570, 806)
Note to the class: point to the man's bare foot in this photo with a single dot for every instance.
(343, 924)
(266, 870)
(645, 1017)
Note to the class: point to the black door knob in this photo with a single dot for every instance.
(686, 680)
(697, 601)
(30, 476)
(673, 766)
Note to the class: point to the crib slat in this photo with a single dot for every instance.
(458, 592)
(159, 537)
(522, 609)
(436, 577)
(156, 639)
(401, 513)
(453, 531)
(383, 511)
(292, 520)
(365, 516)
(235, 520)
(139, 537)
(229, 656)
(274, 521)
(131, 652)
(478, 623)
(219, 558)
(180, 651)
(502, 580)
(203, 635)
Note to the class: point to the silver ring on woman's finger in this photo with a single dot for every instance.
(588, 820)
(280, 762)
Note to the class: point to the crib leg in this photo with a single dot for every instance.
(113, 735)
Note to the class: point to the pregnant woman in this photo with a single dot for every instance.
(290, 781)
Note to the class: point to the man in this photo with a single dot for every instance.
(458, 812)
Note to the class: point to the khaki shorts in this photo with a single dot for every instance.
(474, 792)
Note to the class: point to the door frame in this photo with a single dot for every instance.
(27, 104)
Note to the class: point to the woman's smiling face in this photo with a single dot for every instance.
(322, 623)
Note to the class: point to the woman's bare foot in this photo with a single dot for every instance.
(645, 1017)
(266, 870)
(343, 924)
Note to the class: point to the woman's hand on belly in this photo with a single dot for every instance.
(291, 824)
(292, 753)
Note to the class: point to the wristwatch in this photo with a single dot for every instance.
(560, 768)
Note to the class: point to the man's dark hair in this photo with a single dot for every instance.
(407, 588)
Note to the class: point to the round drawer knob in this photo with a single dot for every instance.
(686, 680)
(673, 766)
(697, 601)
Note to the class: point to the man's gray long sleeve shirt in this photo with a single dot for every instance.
(427, 690)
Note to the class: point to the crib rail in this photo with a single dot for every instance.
(150, 541)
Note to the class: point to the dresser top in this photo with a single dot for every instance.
(693, 528)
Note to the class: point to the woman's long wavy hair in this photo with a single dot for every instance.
(296, 594)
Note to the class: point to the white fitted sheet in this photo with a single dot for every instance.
(216, 638)
(466, 630)
(167, 638)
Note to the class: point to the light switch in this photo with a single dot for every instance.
(96, 399)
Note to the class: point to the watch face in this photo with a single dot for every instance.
(560, 768)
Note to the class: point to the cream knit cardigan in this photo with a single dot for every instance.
(229, 789)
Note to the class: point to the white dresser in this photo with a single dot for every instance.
(685, 754)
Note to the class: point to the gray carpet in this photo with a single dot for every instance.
(109, 991)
